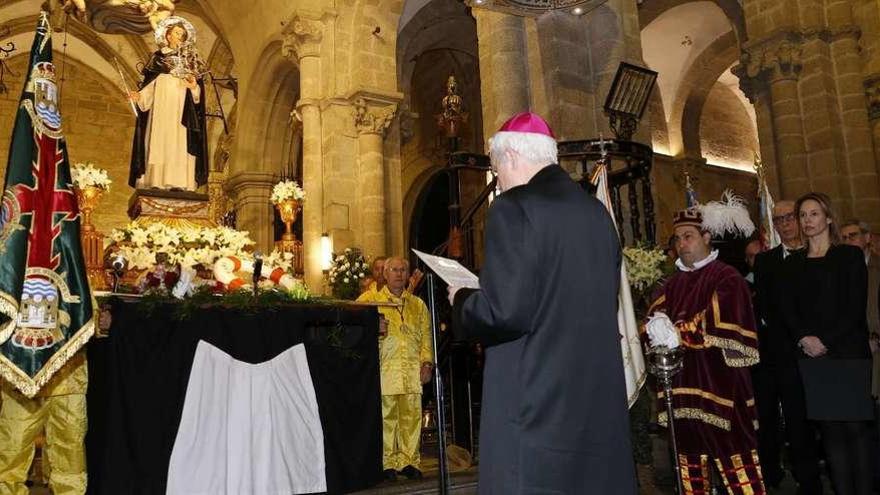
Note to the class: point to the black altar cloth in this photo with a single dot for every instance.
(138, 379)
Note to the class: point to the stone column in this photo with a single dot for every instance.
(371, 124)
(504, 75)
(857, 174)
(757, 90)
(251, 191)
(780, 63)
(302, 42)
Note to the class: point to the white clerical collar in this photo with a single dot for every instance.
(699, 264)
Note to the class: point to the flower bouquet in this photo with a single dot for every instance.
(643, 266)
(287, 190)
(86, 175)
(346, 272)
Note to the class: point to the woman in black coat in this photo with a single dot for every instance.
(825, 316)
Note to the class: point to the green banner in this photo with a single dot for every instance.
(45, 303)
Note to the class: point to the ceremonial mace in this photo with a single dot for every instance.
(664, 363)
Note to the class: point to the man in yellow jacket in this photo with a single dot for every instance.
(405, 362)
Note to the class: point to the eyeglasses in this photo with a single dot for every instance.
(398, 270)
(851, 236)
(788, 217)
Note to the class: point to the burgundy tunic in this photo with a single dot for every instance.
(713, 400)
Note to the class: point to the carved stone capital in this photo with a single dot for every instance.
(777, 58)
(752, 87)
(373, 120)
(872, 93)
(374, 110)
(407, 121)
(302, 37)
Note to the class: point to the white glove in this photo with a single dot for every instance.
(661, 331)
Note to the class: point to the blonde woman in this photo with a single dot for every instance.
(825, 316)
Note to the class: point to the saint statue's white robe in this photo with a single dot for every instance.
(168, 164)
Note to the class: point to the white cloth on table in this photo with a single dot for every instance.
(248, 428)
(168, 164)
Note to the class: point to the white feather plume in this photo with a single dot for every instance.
(729, 215)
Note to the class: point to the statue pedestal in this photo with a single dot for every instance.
(180, 209)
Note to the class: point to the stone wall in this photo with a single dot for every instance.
(727, 132)
(709, 182)
(807, 66)
(98, 125)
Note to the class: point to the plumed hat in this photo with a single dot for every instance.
(688, 216)
(719, 218)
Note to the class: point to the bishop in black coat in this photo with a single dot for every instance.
(554, 410)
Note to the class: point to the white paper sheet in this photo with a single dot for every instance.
(451, 271)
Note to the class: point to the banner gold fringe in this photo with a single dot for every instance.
(31, 386)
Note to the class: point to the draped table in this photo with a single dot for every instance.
(138, 379)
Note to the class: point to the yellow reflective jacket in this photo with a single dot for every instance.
(408, 343)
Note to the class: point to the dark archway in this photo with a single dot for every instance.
(429, 224)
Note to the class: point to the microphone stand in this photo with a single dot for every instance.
(438, 389)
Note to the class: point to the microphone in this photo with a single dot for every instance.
(119, 265)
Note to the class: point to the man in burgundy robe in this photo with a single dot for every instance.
(709, 303)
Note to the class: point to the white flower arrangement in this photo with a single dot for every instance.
(186, 247)
(285, 190)
(643, 266)
(346, 273)
(86, 174)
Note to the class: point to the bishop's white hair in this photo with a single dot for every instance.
(537, 149)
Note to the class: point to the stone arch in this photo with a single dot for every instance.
(728, 130)
(97, 124)
(659, 130)
(679, 43)
(733, 10)
(264, 112)
(684, 124)
(95, 48)
(439, 39)
(414, 192)
(429, 29)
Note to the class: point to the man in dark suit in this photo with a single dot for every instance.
(554, 417)
(776, 378)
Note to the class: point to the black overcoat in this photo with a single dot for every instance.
(554, 412)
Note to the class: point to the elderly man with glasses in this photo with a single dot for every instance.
(406, 358)
(776, 378)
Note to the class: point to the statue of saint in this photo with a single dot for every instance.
(451, 116)
(170, 139)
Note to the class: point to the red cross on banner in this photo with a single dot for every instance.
(45, 203)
